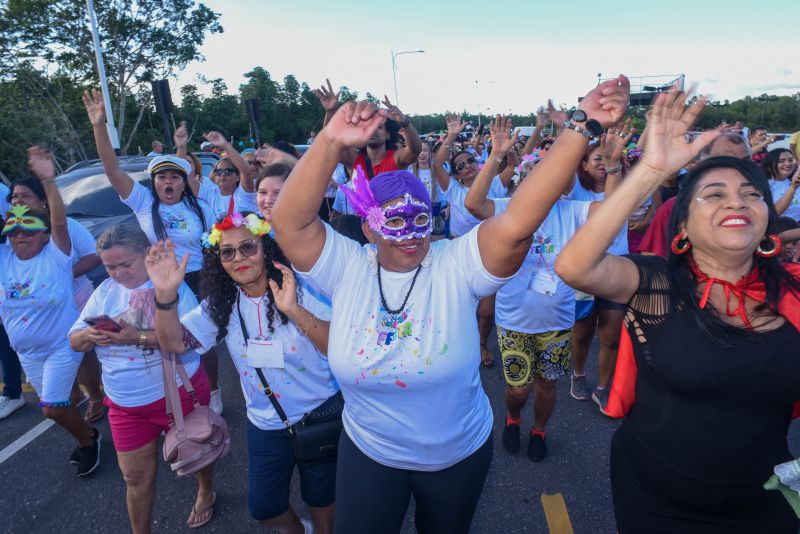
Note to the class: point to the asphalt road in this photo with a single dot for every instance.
(39, 492)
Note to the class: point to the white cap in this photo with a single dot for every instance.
(161, 163)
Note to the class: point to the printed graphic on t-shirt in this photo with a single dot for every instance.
(542, 245)
(18, 290)
(394, 327)
(175, 222)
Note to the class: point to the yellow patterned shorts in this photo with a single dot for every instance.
(548, 354)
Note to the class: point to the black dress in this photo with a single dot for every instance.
(708, 425)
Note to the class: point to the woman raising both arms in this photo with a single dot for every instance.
(403, 340)
(708, 327)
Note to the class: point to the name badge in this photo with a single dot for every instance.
(543, 282)
(265, 353)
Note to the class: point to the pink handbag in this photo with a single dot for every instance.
(198, 439)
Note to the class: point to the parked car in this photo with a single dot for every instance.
(90, 199)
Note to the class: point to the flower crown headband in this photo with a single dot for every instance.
(257, 226)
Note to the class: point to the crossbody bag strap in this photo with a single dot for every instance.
(368, 164)
(267, 390)
(173, 399)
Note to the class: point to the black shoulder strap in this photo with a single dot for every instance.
(267, 390)
(368, 164)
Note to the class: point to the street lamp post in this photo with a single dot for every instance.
(394, 70)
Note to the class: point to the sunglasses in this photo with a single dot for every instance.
(247, 248)
(469, 161)
(225, 172)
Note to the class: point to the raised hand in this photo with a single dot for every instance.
(163, 268)
(502, 140)
(181, 136)
(41, 164)
(558, 116)
(286, 295)
(615, 140)
(392, 111)
(216, 139)
(667, 149)
(354, 124)
(93, 101)
(607, 102)
(454, 124)
(542, 118)
(327, 97)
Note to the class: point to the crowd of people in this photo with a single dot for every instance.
(360, 283)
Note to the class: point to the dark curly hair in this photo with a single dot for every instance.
(222, 291)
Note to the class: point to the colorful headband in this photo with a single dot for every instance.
(257, 226)
(362, 200)
(19, 218)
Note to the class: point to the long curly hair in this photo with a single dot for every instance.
(222, 291)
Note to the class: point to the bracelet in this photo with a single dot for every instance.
(405, 123)
(166, 305)
(614, 170)
(50, 181)
(583, 131)
(142, 343)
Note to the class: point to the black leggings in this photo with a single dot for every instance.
(372, 498)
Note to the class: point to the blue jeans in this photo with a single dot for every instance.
(12, 371)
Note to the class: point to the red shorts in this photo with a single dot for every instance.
(134, 427)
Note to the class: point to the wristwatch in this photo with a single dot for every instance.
(578, 115)
(164, 306)
(142, 343)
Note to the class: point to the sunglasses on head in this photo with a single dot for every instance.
(469, 161)
(246, 248)
(225, 172)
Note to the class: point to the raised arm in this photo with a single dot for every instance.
(541, 120)
(584, 263)
(612, 145)
(329, 100)
(505, 239)
(120, 181)
(783, 203)
(41, 163)
(181, 138)
(408, 154)
(298, 230)
(167, 274)
(315, 329)
(476, 200)
(219, 141)
(454, 127)
(558, 116)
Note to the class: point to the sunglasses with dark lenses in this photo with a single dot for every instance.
(225, 172)
(469, 161)
(246, 248)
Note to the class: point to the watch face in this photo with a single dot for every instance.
(595, 127)
(578, 115)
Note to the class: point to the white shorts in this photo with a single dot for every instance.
(52, 375)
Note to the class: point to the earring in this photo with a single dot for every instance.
(771, 250)
(681, 244)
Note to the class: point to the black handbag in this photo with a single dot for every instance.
(315, 438)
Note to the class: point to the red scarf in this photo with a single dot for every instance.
(623, 389)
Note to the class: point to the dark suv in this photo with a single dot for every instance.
(90, 199)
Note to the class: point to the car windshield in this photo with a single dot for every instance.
(88, 193)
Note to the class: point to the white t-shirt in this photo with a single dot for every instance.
(180, 222)
(619, 246)
(461, 220)
(426, 177)
(536, 300)
(779, 188)
(242, 200)
(131, 378)
(301, 385)
(340, 202)
(83, 244)
(36, 303)
(411, 381)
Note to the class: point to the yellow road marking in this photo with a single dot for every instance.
(555, 511)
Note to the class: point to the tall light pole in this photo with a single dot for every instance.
(394, 70)
(101, 73)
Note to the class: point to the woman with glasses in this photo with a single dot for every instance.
(464, 169)
(269, 327)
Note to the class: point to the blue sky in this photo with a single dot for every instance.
(520, 53)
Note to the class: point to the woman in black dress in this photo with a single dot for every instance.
(713, 330)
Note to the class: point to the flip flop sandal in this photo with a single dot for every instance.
(197, 513)
(486, 361)
(94, 411)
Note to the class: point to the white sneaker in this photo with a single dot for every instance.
(9, 406)
(216, 401)
(307, 525)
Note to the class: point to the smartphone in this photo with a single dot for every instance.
(103, 322)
